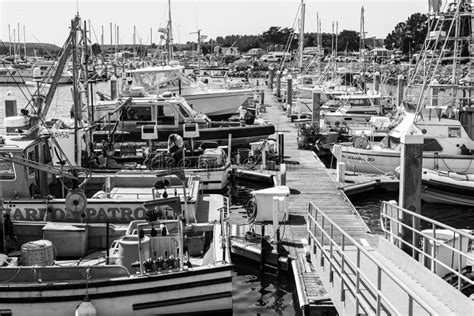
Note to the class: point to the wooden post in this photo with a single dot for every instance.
(282, 174)
(113, 87)
(289, 95)
(434, 93)
(281, 147)
(270, 78)
(278, 85)
(411, 162)
(341, 172)
(316, 117)
(376, 81)
(400, 83)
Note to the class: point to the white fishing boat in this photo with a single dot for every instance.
(217, 103)
(158, 267)
(443, 149)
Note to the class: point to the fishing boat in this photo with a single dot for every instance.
(166, 114)
(217, 103)
(447, 187)
(158, 266)
(446, 147)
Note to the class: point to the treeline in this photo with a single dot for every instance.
(40, 49)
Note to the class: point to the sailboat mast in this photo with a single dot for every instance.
(170, 33)
(199, 50)
(301, 38)
(362, 45)
(24, 39)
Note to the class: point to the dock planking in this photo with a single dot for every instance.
(309, 181)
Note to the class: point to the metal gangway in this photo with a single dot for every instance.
(371, 275)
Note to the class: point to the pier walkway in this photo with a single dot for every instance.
(360, 272)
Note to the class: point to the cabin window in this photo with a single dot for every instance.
(182, 110)
(7, 171)
(393, 142)
(431, 144)
(454, 132)
(32, 156)
(165, 115)
(137, 113)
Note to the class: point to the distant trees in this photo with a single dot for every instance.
(408, 36)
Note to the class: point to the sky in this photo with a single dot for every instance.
(48, 20)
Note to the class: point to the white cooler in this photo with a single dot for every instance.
(264, 202)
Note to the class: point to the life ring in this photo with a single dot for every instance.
(361, 141)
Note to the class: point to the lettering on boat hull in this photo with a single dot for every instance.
(96, 212)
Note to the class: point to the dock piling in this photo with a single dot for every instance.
(376, 82)
(270, 79)
(316, 116)
(410, 186)
(113, 87)
(278, 85)
(289, 95)
(281, 147)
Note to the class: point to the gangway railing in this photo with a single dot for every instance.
(335, 246)
(444, 249)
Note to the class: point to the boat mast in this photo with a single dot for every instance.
(24, 39)
(169, 38)
(301, 38)
(362, 46)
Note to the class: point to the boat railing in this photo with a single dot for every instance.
(338, 248)
(397, 222)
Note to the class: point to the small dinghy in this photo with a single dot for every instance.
(447, 187)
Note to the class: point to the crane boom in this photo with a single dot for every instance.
(60, 68)
(32, 164)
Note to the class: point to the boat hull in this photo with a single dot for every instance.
(447, 188)
(384, 161)
(241, 135)
(218, 105)
(198, 290)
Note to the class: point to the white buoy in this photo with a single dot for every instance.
(86, 308)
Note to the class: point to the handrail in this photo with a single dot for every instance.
(382, 303)
(388, 219)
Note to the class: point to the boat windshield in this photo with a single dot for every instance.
(155, 82)
(7, 172)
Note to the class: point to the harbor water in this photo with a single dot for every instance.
(254, 292)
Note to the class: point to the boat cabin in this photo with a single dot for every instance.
(156, 80)
(440, 135)
(21, 180)
(165, 113)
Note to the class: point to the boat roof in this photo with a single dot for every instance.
(15, 143)
(157, 69)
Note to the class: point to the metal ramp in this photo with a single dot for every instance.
(369, 275)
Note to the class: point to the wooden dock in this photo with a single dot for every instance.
(346, 265)
(309, 181)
